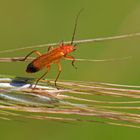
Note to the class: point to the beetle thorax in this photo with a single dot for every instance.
(67, 49)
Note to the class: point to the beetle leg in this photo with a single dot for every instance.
(50, 48)
(59, 71)
(62, 43)
(35, 51)
(48, 69)
(71, 58)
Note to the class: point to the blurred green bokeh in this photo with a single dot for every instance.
(32, 22)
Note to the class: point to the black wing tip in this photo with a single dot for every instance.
(31, 68)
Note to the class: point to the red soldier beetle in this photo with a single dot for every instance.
(54, 55)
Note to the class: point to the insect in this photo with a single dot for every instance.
(53, 56)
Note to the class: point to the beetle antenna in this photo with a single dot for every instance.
(76, 20)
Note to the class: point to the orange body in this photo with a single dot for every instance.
(53, 56)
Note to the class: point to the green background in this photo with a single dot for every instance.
(32, 22)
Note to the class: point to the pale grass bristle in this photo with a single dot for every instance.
(73, 98)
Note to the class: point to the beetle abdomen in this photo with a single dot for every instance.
(31, 68)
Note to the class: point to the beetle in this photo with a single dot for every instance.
(54, 55)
